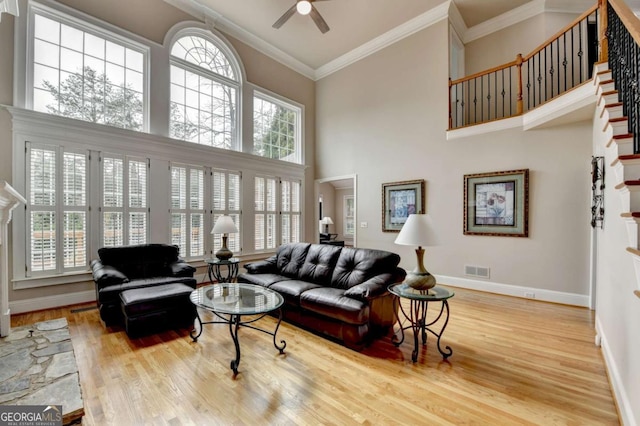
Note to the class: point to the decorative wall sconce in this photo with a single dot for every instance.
(597, 192)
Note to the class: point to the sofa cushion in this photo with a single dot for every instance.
(332, 303)
(355, 266)
(265, 280)
(291, 258)
(319, 263)
(292, 289)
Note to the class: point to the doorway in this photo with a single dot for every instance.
(336, 208)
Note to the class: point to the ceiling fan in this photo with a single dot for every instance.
(304, 7)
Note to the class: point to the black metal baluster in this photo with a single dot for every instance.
(564, 61)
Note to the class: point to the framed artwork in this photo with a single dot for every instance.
(349, 216)
(399, 200)
(497, 203)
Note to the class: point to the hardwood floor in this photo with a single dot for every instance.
(515, 361)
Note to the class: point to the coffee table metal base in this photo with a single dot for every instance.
(235, 322)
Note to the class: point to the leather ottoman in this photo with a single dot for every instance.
(151, 309)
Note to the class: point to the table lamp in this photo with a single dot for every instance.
(326, 221)
(225, 226)
(416, 231)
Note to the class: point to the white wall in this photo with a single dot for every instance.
(386, 116)
(617, 309)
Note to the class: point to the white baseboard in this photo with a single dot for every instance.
(48, 302)
(619, 394)
(517, 291)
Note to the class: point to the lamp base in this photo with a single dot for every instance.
(420, 280)
(224, 253)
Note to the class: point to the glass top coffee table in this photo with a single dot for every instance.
(230, 302)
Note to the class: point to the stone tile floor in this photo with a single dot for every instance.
(38, 367)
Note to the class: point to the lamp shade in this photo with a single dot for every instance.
(224, 225)
(417, 231)
(326, 221)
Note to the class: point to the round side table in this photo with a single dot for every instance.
(217, 273)
(417, 314)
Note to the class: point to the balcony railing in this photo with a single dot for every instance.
(561, 63)
(623, 37)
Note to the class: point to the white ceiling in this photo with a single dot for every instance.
(358, 27)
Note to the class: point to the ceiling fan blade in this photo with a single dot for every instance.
(285, 17)
(317, 18)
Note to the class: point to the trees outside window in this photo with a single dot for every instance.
(205, 90)
(276, 129)
(87, 76)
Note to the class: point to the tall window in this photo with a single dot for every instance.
(187, 210)
(124, 201)
(290, 207)
(265, 212)
(57, 209)
(86, 74)
(204, 93)
(276, 129)
(226, 201)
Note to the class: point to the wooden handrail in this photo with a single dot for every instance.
(561, 32)
(600, 7)
(484, 72)
(628, 18)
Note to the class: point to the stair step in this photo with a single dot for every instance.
(633, 185)
(609, 97)
(633, 251)
(614, 111)
(630, 214)
(607, 85)
(623, 144)
(619, 125)
(627, 159)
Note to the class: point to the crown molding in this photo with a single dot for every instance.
(447, 10)
(456, 20)
(9, 6)
(505, 20)
(412, 26)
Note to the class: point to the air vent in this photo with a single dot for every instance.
(476, 271)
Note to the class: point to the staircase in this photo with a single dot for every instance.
(621, 159)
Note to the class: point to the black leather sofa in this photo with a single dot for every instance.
(334, 291)
(143, 287)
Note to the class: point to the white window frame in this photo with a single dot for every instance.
(234, 242)
(58, 209)
(265, 211)
(288, 104)
(86, 26)
(188, 211)
(231, 56)
(288, 199)
(126, 209)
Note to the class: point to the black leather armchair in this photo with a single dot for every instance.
(120, 269)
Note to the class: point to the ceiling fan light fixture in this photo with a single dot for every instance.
(303, 7)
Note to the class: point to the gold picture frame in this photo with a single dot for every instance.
(497, 203)
(399, 200)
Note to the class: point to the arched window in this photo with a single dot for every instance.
(205, 91)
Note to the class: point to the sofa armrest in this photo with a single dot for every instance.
(375, 286)
(181, 269)
(266, 266)
(372, 288)
(106, 275)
